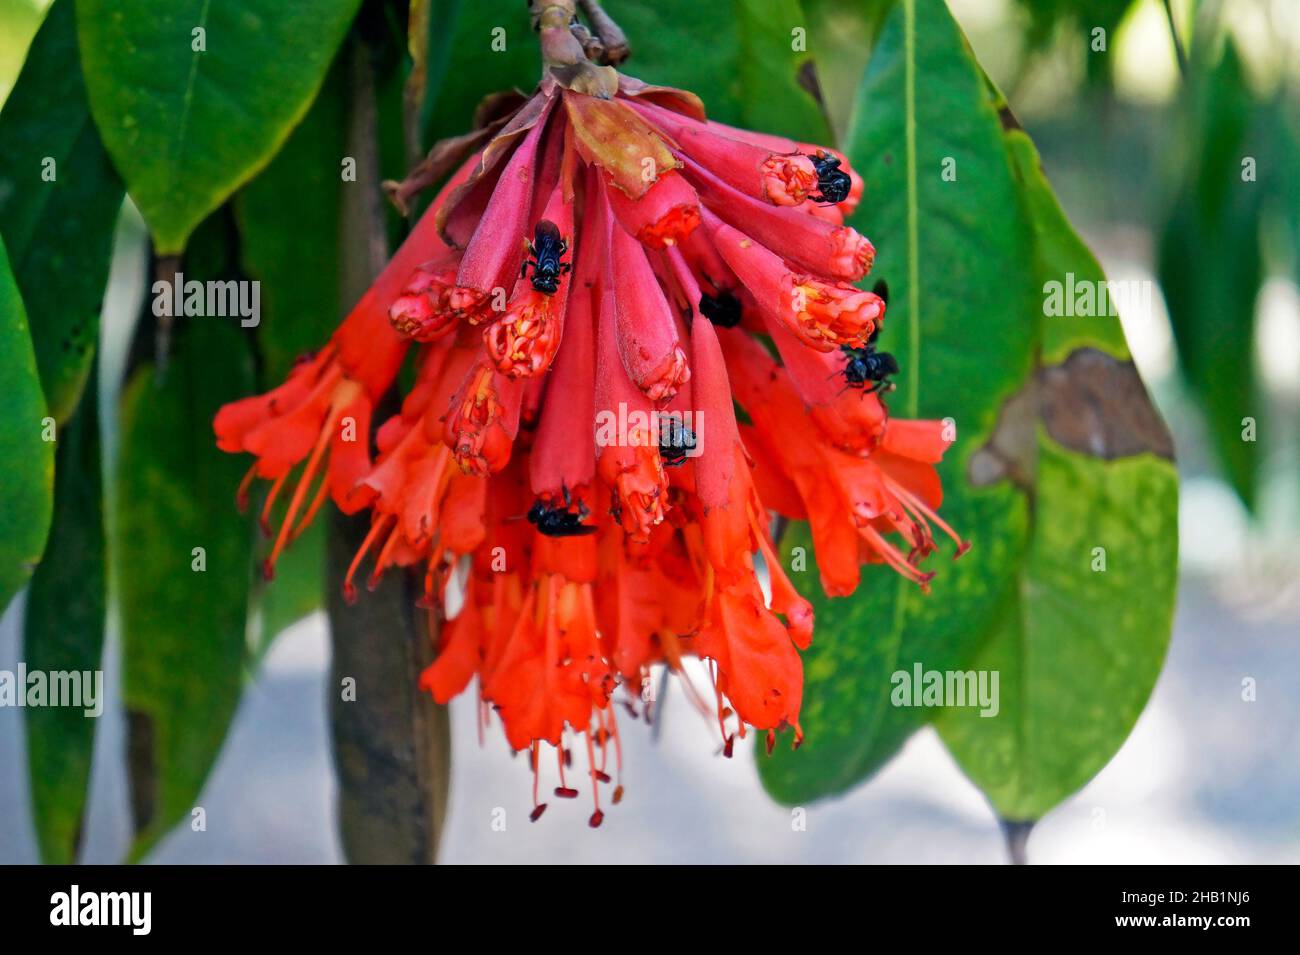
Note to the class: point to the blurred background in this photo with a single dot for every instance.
(1131, 137)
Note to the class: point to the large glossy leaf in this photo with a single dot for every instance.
(183, 628)
(64, 631)
(1079, 640)
(963, 318)
(1211, 264)
(188, 126)
(743, 58)
(27, 478)
(59, 199)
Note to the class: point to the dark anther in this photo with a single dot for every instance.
(537, 812)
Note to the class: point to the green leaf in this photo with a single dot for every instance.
(183, 629)
(840, 38)
(1210, 265)
(59, 200)
(19, 21)
(1080, 639)
(297, 266)
(27, 478)
(963, 319)
(474, 49)
(739, 57)
(1077, 648)
(64, 631)
(392, 743)
(186, 127)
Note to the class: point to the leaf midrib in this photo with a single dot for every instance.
(187, 101)
(902, 587)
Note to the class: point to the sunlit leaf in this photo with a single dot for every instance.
(194, 97)
(59, 200)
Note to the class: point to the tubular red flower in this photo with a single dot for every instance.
(788, 180)
(423, 312)
(482, 420)
(627, 455)
(524, 340)
(664, 216)
(811, 243)
(564, 452)
(823, 314)
(783, 177)
(493, 256)
(586, 298)
(646, 329)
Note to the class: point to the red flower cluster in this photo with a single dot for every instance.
(584, 296)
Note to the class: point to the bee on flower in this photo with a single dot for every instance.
(610, 250)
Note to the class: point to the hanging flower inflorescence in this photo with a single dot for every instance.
(589, 297)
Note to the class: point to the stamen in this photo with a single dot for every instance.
(264, 519)
(597, 817)
(911, 500)
(894, 558)
(241, 495)
(349, 588)
(322, 494)
(304, 482)
(381, 562)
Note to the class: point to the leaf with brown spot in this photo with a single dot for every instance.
(1079, 639)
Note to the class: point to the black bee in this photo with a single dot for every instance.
(833, 181)
(547, 257)
(560, 521)
(865, 364)
(676, 441)
(722, 309)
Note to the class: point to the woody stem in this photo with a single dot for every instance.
(566, 41)
(611, 35)
(552, 19)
